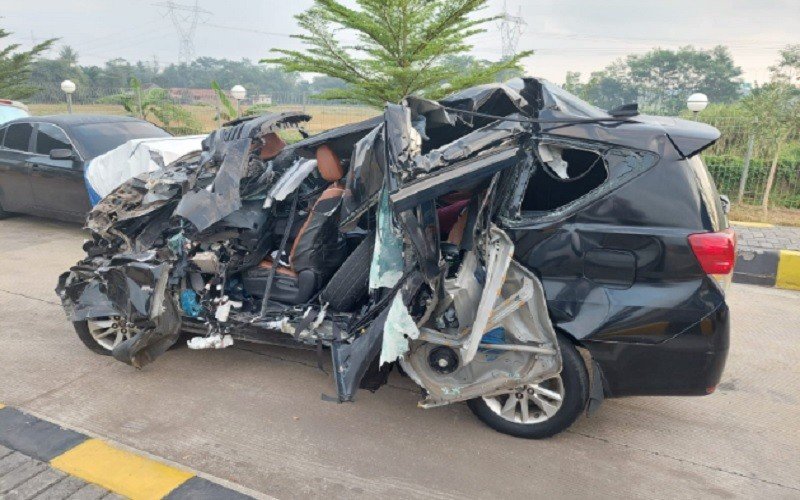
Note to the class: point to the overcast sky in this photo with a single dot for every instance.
(579, 35)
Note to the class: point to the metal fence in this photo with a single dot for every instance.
(741, 160)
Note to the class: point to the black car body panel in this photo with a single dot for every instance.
(35, 182)
(577, 220)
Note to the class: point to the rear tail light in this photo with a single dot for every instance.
(716, 253)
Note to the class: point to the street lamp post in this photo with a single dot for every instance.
(238, 92)
(68, 86)
(697, 103)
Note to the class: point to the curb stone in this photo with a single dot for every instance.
(40, 459)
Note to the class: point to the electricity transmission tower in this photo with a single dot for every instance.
(511, 28)
(185, 19)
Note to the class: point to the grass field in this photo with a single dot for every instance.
(776, 215)
(324, 117)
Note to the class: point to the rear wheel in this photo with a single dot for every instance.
(537, 411)
(350, 283)
(3, 213)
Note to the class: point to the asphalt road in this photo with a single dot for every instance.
(254, 416)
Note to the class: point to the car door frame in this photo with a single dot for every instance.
(16, 192)
(45, 170)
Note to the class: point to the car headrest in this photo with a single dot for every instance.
(273, 145)
(328, 164)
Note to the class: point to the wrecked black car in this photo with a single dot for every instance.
(509, 246)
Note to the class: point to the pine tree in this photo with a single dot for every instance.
(402, 48)
(15, 68)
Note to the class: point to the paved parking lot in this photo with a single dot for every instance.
(254, 416)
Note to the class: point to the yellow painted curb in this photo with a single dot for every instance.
(788, 270)
(120, 471)
(2, 406)
(750, 224)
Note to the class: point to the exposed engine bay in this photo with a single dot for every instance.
(378, 240)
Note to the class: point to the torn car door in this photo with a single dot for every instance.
(486, 329)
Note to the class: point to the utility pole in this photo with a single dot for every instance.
(185, 19)
(511, 28)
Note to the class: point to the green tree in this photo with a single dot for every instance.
(154, 105)
(401, 48)
(777, 107)
(610, 87)
(15, 68)
(226, 111)
(572, 83)
(661, 79)
(51, 72)
(788, 67)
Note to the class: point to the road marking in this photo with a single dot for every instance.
(788, 270)
(120, 471)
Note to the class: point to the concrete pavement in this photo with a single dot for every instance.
(253, 415)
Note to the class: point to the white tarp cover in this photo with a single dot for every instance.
(107, 171)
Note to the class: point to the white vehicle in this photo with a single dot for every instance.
(9, 110)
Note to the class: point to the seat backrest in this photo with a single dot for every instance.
(321, 225)
(273, 145)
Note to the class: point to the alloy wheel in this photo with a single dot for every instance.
(529, 404)
(109, 332)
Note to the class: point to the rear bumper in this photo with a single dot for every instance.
(689, 364)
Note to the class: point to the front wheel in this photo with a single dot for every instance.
(541, 410)
(102, 335)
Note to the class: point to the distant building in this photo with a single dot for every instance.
(194, 96)
(264, 99)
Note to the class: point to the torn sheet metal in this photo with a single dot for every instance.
(403, 140)
(290, 181)
(351, 361)
(206, 206)
(519, 348)
(494, 98)
(400, 328)
(365, 177)
(387, 258)
(498, 257)
(464, 147)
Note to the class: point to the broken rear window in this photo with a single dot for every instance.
(563, 175)
(567, 176)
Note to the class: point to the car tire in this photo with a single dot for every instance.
(575, 382)
(82, 329)
(350, 283)
(3, 213)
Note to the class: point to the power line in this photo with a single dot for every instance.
(185, 19)
(511, 28)
(248, 30)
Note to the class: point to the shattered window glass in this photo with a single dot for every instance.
(551, 189)
(564, 176)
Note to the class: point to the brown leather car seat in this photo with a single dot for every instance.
(318, 248)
